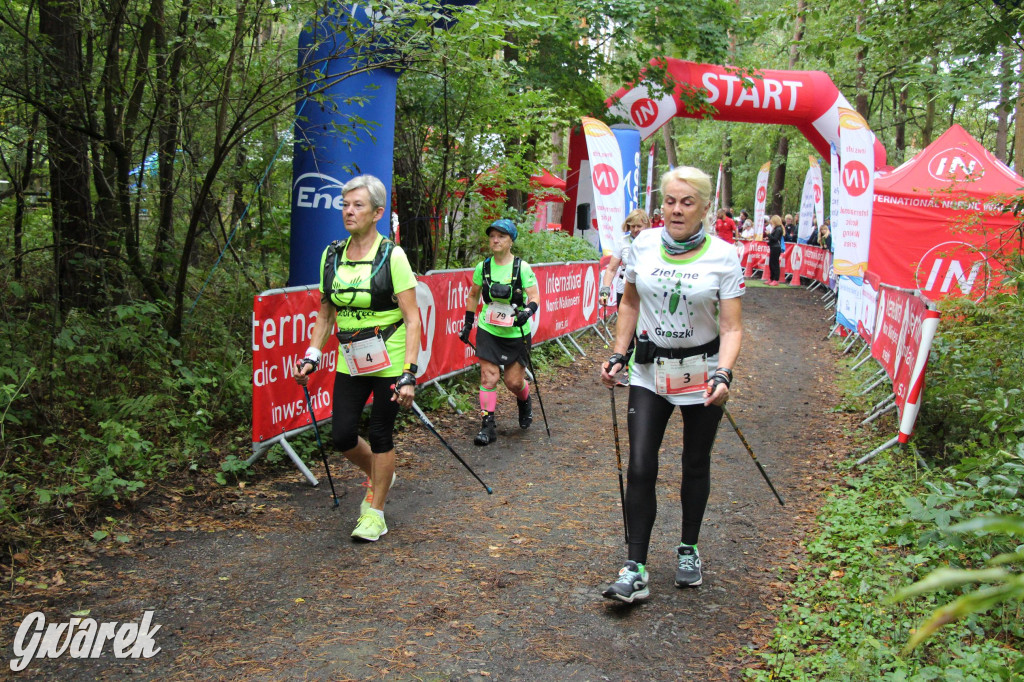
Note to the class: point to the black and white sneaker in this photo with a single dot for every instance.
(488, 431)
(525, 412)
(631, 585)
(688, 569)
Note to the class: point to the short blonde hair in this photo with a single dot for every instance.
(636, 213)
(694, 177)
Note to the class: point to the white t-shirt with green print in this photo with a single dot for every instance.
(679, 298)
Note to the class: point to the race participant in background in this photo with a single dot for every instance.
(503, 336)
(636, 221)
(369, 288)
(682, 297)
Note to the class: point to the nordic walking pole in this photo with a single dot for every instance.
(536, 384)
(747, 445)
(430, 427)
(323, 455)
(618, 463)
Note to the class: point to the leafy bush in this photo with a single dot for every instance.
(533, 247)
(973, 399)
(941, 533)
(110, 404)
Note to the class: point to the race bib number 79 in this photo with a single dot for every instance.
(500, 314)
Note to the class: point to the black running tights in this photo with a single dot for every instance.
(350, 396)
(648, 417)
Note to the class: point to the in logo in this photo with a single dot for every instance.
(428, 321)
(589, 293)
(956, 164)
(762, 194)
(855, 178)
(644, 112)
(952, 263)
(880, 311)
(817, 193)
(606, 179)
(796, 258)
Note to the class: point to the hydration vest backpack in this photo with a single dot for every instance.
(517, 282)
(382, 295)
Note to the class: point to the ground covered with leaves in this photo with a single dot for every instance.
(261, 580)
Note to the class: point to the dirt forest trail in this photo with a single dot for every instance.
(263, 582)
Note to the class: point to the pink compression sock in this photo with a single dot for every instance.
(488, 399)
(523, 394)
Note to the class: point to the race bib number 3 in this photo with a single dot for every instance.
(368, 355)
(500, 314)
(676, 377)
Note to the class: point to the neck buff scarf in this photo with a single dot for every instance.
(675, 248)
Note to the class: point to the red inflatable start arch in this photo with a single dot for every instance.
(808, 100)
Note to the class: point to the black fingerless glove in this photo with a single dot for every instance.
(523, 314)
(467, 327)
(407, 379)
(616, 359)
(722, 375)
(307, 361)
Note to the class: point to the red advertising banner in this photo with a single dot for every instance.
(805, 260)
(753, 255)
(283, 320)
(904, 329)
(799, 260)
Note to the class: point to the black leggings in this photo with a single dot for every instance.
(774, 256)
(350, 396)
(648, 418)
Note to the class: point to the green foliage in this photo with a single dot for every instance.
(533, 247)
(110, 404)
(891, 594)
(840, 621)
(973, 401)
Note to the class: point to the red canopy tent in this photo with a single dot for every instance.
(547, 190)
(937, 219)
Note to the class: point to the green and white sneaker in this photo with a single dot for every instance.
(688, 569)
(631, 585)
(370, 526)
(367, 502)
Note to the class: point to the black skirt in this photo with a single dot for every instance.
(500, 350)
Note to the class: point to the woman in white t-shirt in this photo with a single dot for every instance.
(635, 222)
(681, 300)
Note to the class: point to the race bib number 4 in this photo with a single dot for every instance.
(368, 355)
(500, 314)
(676, 377)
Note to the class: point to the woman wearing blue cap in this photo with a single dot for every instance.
(503, 337)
